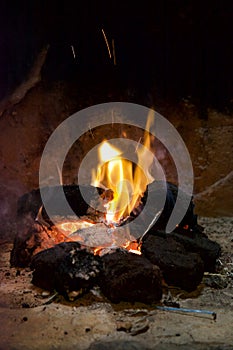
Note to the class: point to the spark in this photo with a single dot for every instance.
(73, 51)
(106, 41)
(114, 52)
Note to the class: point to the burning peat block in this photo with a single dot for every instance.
(72, 271)
(156, 190)
(182, 256)
(31, 202)
(36, 234)
(67, 269)
(130, 277)
(180, 267)
(32, 239)
(197, 242)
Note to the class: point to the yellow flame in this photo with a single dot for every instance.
(127, 180)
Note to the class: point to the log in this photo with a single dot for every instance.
(130, 277)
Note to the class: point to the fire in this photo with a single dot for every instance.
(117, 175)
(127, 180)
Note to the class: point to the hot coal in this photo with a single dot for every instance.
(66, 268)
(130, 277)
(180, 267)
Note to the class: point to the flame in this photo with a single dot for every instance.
(127, 180)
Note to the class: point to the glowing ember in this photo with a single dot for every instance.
(135, 251)
(127, 180)
(69, 227)
(133, 247)
(97, 250)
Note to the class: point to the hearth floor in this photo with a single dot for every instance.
(30, 320)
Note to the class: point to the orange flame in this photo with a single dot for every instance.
(127, 180)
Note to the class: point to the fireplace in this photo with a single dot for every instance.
(112, 231)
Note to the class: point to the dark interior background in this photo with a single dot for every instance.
(172, 48)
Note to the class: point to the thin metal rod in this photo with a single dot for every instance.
(185, 310)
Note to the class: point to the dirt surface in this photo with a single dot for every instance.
(31, 319)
